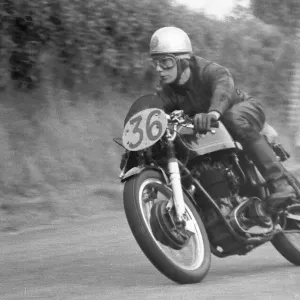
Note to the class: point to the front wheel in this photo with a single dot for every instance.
(187, 263)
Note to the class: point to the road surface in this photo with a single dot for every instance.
(99, 259)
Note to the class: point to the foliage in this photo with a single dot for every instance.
(283, 13)
(76, 41)
(261, 59)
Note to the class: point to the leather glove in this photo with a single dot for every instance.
(203, 121)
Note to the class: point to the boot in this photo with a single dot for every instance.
(264, 158)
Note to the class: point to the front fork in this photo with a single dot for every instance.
(175, 182)
(177, 201)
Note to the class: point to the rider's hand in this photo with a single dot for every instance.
(203, 121)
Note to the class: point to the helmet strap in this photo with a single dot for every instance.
(185, 76)
(182, 65)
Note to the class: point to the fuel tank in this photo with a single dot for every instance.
(197, 145)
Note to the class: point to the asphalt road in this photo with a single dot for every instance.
(99, 259)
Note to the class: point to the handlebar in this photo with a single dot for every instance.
(178, 117)
(215, 124)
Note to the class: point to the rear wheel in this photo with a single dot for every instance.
(183, 257)
(288, 244)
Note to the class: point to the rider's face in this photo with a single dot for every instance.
(166, 67)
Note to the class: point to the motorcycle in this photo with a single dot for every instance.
(189, 195)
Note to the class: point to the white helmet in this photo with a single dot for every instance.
(170, 40)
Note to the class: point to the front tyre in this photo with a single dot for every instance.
(189, 264)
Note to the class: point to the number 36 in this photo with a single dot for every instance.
(144, 129)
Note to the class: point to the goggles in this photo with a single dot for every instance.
(165, 61)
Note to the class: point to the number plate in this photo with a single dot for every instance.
(144, 129)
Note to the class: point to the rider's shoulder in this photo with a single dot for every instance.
(201, 63)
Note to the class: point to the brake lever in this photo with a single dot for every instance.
(186, 121)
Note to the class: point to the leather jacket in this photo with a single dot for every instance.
(209, 88)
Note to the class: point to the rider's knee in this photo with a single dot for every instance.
(240, 127)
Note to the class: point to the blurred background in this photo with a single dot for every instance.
(70, 69)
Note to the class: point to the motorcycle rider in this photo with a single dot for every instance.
(206, 91)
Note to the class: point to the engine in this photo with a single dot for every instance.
(220, 176)
(220, 180)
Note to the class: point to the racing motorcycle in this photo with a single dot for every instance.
(189, 195)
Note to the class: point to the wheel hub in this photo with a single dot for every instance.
(164, 228)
